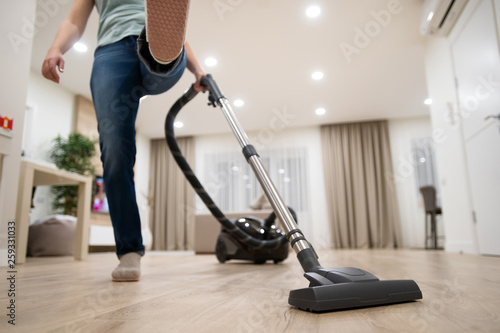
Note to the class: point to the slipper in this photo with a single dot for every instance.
(129, 269)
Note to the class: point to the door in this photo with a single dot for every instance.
(477, 68)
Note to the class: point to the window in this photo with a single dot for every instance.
(230, 181)
(425, 165)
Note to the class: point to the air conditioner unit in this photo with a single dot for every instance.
(439, 16)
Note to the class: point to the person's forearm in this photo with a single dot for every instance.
(192, 63)
(67, 35)
(194, 67)
(72, 28)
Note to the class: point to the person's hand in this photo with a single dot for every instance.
(53, 61)
(197, 85)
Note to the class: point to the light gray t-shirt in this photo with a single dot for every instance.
(119, 19)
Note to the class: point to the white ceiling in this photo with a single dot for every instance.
(266, 52)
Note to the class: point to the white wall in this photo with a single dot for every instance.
(142, 185)
(411, 208)
(496, 4)
(15, 55)
(450, 151)
(51, 113)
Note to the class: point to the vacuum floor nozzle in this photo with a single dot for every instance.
(347, 288)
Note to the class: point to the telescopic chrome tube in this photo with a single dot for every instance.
(238, 130)
(267, 184)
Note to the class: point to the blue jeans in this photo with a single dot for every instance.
(119, 79)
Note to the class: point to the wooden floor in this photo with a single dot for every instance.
(188, 293)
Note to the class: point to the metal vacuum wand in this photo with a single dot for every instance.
(304, 250)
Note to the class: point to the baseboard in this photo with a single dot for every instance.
(460, 247)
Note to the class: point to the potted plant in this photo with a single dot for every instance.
(72, 154)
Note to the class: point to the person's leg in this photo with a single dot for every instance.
(155, 84)
(116, 86)
(118, 82)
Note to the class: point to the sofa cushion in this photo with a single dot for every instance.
(52, 236)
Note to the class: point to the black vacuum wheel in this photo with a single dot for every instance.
(221, 251)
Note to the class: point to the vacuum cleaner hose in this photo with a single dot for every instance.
(198, 187)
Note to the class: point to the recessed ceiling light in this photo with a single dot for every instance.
(210, 61)
(313, 11)
(179, 124)
(430, 16)
(428, 101)
(238, 102)
(80, 47)
(320, 111)
(317, 75)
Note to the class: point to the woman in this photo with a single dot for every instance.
(119, 80)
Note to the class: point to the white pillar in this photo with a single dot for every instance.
(16, 31)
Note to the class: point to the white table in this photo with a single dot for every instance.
(37, 174)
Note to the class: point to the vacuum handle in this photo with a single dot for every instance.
(208, 82)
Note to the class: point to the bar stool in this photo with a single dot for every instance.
(431, 209)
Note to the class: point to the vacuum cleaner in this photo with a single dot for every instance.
(229, 247)
(329, 288)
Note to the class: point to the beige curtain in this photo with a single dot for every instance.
(173, 211)
(362, 202)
